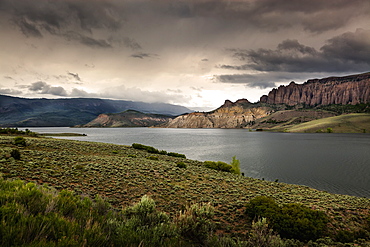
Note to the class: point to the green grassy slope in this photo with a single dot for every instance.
(282, 119)
(349, 123)
(123, 175)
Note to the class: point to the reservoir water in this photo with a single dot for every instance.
(337, 163)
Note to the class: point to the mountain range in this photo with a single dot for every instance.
(282, 108)
(23, 112)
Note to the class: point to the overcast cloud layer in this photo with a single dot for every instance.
(194, 53)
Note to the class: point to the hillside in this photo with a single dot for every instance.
(280, 120)
(24, 112)
(128, 118)
(123, 175)
(240, 114)
(349, 123)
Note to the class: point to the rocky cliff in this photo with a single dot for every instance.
(351, 89)
(230, 115)
(128, 118)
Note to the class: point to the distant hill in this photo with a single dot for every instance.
(129, 118)
(23, 112)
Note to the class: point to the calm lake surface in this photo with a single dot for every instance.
(337, 163)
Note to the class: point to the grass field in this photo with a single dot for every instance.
(349, 123)
(122, 175)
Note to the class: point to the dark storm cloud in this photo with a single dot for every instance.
(350, 46)
(247, 79)
(29, 29)
(8, 77)
(349, 52)
(38, 86)
(44, 88)
(94, 43)
(10, 91)
(314, 16)
(131, 43)
(69, 77)
(143, 55)
(71, 19)
(75, 76)
(58, 16)
(78, 20)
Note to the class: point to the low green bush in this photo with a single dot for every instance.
(152, 158)
(80, 167)
(181, 165)
(300, 222)
(234, 167)
(15, 154)
(176, 155)
(218, 165)
(149, 149)
(153, 150)
(262, 206)
(138, 146)
(19, 141)
(292, 221)
(346, 236)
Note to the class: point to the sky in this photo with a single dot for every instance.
(195, 53)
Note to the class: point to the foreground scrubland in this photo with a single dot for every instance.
(125, 196)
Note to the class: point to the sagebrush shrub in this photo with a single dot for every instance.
(15, 154)
(195, 223)
(153, 158)
(19, 141)
(181, 165)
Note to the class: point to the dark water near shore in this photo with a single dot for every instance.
(337, 163)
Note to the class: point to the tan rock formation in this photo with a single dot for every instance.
(230, 115)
